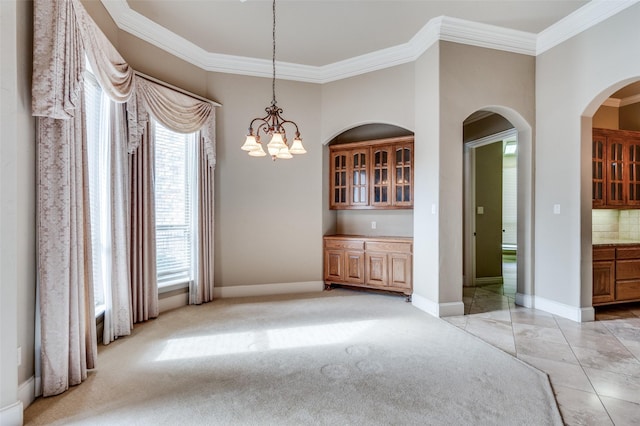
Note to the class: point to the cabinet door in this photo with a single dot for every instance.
(598, 169)
(376, 269)
(403, 176)
(615, 171)
(381, 170)
(339, 179)
(603, 281)
(359, 172)
(400, 270)
(334, 265)
(354, 267)
(633, 171)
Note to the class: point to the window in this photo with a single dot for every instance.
(97, 106)
(175, 198)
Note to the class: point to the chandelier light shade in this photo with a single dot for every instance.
(273, 124)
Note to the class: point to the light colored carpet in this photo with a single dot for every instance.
(333, 358)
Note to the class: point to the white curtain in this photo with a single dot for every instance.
(63, 32)
(183, 114)
(63, 35)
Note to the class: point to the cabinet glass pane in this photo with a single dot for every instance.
(356, 178)
(376, 177)
(385, 197)
(376, 194)
(407, 174)
(385, 178)
(407, 156)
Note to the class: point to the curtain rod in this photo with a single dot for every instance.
(171, 86)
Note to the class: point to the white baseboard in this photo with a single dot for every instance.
(573, 313)
(27, 391)
(268, 289)
(525, 300)
(11, 415)
(439, 310)
(488, 280)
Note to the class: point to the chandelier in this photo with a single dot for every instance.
(273, 124)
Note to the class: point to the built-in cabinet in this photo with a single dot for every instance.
(383, 263)
(615, 169)
(376, 174)
(616, 274)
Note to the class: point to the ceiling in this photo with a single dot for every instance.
(326, 40)
(317, 33)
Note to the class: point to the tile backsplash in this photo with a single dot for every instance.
(615, 224)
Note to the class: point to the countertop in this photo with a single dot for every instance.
(371, 237)
(608, 242)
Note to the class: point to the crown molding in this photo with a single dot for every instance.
(630, 100)
(612, 102)
(441, 28)
(582, 19)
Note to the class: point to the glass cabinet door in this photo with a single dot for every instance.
(359, 177)
(633, 171)
(615, 171)
(403, 177)
(339, 184)
(381, 185)
(597, 170)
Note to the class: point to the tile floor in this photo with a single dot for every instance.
(594, 367)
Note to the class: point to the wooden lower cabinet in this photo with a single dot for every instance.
(616, 274)
(383, 263)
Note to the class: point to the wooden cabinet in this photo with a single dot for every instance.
(615, 169)
(383, 263)
(616, 274)
(604, 275)
(374, 174)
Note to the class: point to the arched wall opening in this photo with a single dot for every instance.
(499, 119)
(359, 222)
(615, 108)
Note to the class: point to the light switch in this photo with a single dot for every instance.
(373, 225)
(556, 209)
(480, 210)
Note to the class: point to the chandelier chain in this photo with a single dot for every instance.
(273, 61)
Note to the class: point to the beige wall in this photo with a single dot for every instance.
(471, 79)
(573, 80)
(630, 117)
(606, 118)
(268, 215)
(17, 206)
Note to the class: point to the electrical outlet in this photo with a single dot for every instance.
(373, 225)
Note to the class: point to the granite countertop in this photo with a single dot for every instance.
(603, 242)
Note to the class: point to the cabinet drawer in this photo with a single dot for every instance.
(629, 290)
(608, 253)
(344, 244)
(383, 246)
(628, 252)
(627, 269)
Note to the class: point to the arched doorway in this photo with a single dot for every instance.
(610, 125)
(498, 221)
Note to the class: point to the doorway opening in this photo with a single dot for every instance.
(491, 216)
